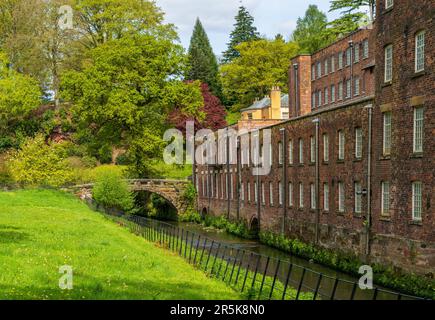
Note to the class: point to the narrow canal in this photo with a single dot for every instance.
(342, 290)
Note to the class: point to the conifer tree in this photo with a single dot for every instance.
(203, 64)
(244, 31)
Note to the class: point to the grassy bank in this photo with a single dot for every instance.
(41, 231)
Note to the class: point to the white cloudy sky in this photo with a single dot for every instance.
(271, 16)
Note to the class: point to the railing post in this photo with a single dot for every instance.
(287, 281)
(257, 265)
(334, 289)
(209, 253)
(197, 248)
(317, 286)
(238, 270)
(215, 257)
(264, 277)
(274, 279)
(247, 271)
(234, 264)
(300, 283)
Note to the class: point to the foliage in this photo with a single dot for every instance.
(407, 283)
(350, 6)
(124, 92)
(19, 95)
(161, 170)
(261, 65)
(202, 62)
(244, 31)
(190, 194)
(38, 163)
(233, 117)
(112, 191)
(310, 31)
(159, 208)
(214, 112)
(53, 229)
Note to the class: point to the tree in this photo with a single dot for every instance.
(124, 92)
(310, 31)
(244, 31)
(214, 113)
(19, 96)
(345, 25)
(350, 6)
(104, 20)
(202, 63)
(261, 65)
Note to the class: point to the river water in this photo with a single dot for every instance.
(341, 290)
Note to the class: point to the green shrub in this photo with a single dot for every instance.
(38, 163)
(407, 283)
(112, 191)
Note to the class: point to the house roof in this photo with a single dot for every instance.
(265, 103)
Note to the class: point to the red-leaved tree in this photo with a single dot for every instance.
(213, 109)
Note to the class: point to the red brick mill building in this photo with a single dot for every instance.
(359, 146)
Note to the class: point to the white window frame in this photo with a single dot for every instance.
(340, 90)
(341, 145)
(301, 151)
(348, 88)
(332, 64)
(325, 147)
(365, 49)
(280, 193)
(356, 53)
(387, 124)
(271, 194)
(341, 197)
(348, 57)
(290, 152)
(326, 96)
(319, 98)
(389, 4)
(326, 67)
(325, 197)
(388, 68)
(332, 93)
(319, 70)
(301, 195)
(418, 133)
(340, 60)
(290, 194)
(280, 154)
(312, 149)
(417, 201)
(249, 192)
(255, 192)
(419, 51)
(263, 194)
(313, 196)
(357, 87)
(358, 142)
(385, 198)
(242, 192)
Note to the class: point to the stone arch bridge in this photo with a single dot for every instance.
(171, 190)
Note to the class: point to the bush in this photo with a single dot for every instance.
(38, 163)
(112, 191)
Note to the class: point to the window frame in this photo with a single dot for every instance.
(358, 143)
(417, 215)
(420, 130)
(387, 134)
(421, 54)
(385, 198)
(388, 63)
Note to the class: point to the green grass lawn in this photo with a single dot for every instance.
(42, 230)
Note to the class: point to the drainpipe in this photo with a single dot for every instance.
(284, 178)
(369, 180)
(317, 185)
(239, 177)
(296, 68)
(228, 176)
(351, 68)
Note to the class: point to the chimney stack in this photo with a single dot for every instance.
(275, 103)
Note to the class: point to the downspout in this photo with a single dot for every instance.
(239, 177)
(317, 185)
(296, 68)
(369, 180)
(351, 68)
(228, 176)
(284, 182)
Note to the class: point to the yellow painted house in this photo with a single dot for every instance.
(275, 107)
